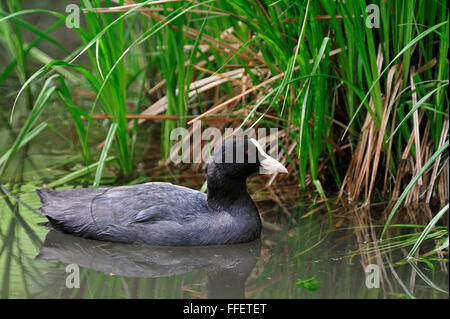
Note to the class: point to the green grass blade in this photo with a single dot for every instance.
(27, 138)
(426, 279)
(411, 184)
(106, 147)
(81, 172)
(418, 104)
(427, 229)
(39, 106)
(407, 47)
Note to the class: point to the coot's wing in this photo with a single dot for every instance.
(124, 213)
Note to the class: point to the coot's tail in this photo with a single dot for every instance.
(69, 216)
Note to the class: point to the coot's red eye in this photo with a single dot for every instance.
(246, 152)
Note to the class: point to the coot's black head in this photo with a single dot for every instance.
(239, 157)
(232, 162)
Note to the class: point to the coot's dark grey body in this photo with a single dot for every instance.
(153, 213)
(162, 213)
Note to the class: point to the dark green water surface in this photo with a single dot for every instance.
(311, 254)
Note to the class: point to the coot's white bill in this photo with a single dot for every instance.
(269, 164)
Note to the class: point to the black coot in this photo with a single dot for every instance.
(170, 215)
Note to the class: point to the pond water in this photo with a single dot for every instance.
(305, 252)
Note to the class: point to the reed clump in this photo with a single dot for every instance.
(358, 94)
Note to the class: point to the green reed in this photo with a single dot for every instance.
(364, 108)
